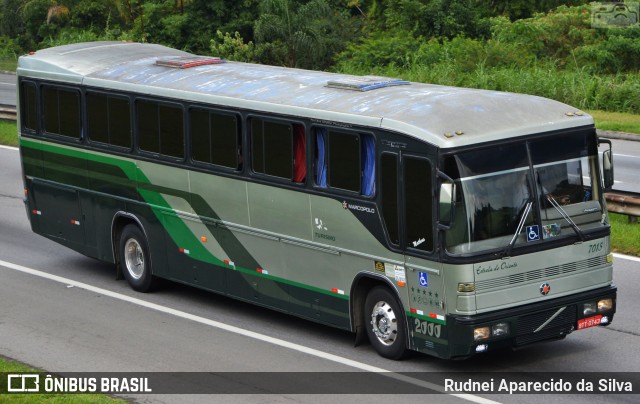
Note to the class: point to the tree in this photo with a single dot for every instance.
(296, 29)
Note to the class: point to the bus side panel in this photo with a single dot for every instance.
(425, 307)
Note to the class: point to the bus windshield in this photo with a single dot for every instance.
(513, 195)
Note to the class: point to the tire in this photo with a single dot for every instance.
(135, 263)
(385, 323)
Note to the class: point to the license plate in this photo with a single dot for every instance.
(589, 322)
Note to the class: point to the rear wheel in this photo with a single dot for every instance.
(134, 258)
(385, 323)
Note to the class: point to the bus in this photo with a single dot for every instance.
(449, 221)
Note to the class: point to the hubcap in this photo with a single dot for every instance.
(384, 323)
(134, 258)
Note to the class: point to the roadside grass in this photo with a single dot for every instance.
(8, 133)
(616, 121)
(625, 236)
(8, 65)
(9, 366)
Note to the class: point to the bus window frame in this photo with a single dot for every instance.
(132, 121)
(248, 145)
(341, 191)
(136, 137)
(41, 115)
(241, 157)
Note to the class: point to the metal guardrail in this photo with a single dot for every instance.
(626, 203)
(8, 112)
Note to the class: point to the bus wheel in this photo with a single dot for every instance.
(385, 323)
(134, 259)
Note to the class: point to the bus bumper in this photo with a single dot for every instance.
(553, 319)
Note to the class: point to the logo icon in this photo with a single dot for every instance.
(545, 288)
(344, 205)
(423, 279)
(533, 233)
(21, 383)
(615, 14)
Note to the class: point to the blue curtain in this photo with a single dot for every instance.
(321, 165)
(369, 165)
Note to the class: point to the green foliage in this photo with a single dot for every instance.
(625, 236)
(8, 133)
(234, 48)
(295, 28)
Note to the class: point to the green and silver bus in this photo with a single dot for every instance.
(445, 220)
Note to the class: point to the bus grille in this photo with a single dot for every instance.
(561, 325)
(539, 274)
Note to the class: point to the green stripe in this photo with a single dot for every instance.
(179, 232)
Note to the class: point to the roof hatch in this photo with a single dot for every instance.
(365, 83)
(185, 62)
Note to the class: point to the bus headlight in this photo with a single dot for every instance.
(605, 304)
(589, 309)
(481, 333)
(500, 329)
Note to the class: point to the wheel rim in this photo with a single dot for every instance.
(384, 323)
(134, 258)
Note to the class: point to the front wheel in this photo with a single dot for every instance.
(385, 323)
(134, 259)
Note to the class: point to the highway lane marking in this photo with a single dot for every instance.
(243, 332)
(626, 257)
(8, 147)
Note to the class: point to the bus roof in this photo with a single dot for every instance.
(441, 115)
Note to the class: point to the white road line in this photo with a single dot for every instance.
(626, 257)
(241, 331)
(8, 147)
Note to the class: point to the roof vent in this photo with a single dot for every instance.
(365, 83)
(185, 62)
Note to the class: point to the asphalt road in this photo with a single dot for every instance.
(7, 89)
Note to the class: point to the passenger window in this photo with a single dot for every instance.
(279, 149)
(160, 128)
(61, 110)
(29, 106)
(109, 119)
(345, 161)
(215, 138)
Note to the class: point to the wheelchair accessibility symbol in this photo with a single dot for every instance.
(533, 233)
(422, 278)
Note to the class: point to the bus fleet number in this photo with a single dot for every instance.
(597, 247)
(427, 328)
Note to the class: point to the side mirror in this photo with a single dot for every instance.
(446, 202)
(607, 169)
(607, 165)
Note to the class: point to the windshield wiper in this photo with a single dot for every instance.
(566, 217)
(523, 218)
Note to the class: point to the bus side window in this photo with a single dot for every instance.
(272, 148)
(160, 128)
(389, 185)
(61, 110)
(109, 120)
(215, 138)
(345, 161)
(29, 106)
